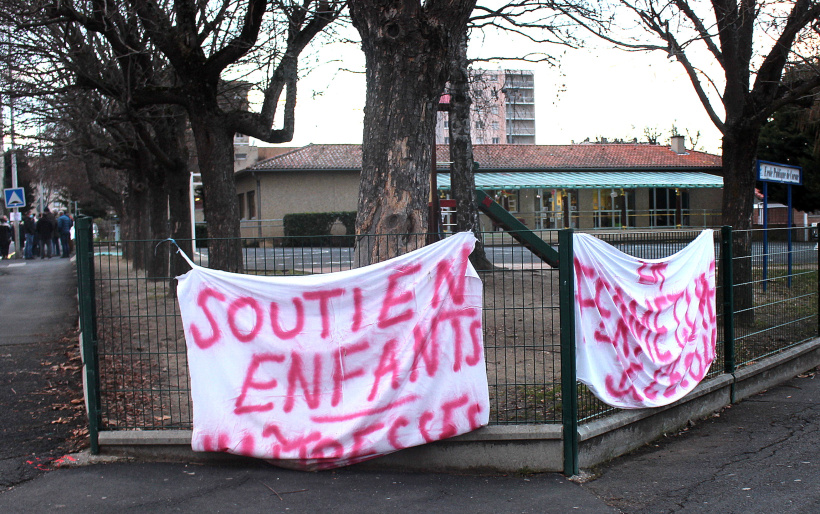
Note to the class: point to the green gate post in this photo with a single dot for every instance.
(727, 280)
(569, 383)
(88, 326)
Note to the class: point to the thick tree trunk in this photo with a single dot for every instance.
(176, 184)
(157, 258)
(739, 155)
(407, 48)
(214, 146)
(180, 213)
(136, 227)
(462, 169)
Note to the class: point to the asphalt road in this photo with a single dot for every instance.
(761, 455)
(758, 456)
(38, 300)
(40, 384)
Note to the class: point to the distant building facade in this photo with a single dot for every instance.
(583, 186)
(503, 109)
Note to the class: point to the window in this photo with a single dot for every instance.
(494, 109)
(251, 205)
(446, 123)
(479, 124)
(664, 204)
(496, 140)
(241, 156)
(479, 140)
(241, 200)
(507, 198)
(495, 125)
(446, 140)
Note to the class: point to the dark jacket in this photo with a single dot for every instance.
(29, 225)
(6, 233)
(52, 219)
(44, 227)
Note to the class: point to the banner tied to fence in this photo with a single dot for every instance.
(322, 371)
(645, 329)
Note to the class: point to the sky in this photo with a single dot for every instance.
(593, 93)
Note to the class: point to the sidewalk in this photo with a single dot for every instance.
(258, 487)
(759, 455)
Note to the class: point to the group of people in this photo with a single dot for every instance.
(45, 235)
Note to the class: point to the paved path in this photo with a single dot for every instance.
(759, 455)
(38, 300)
(39, 366)
(257, 487)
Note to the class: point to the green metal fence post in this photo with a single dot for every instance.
(88, 326)
(727, 280)
(569, 384)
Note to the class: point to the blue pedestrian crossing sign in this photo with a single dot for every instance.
(15, 197)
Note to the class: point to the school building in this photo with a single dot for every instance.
(588, 186)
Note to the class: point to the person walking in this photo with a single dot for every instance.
(55, 239)
(30, 233)
(6, 237)
(64, 225)
(44, 230)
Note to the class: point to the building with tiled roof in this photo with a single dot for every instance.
(584, 156)
(588, 185)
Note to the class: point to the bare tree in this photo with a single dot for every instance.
(201, 42)
(408, 47)
(539, 22)
(82, 98)
(462, 165)
(751, 44)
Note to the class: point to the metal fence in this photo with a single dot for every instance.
(135, 349)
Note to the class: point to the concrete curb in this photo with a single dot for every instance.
(511, 448)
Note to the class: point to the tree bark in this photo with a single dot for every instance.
(462, 167)
(739, 157)
(135, 229)
(407, 49)
(214, 146)
(180, 218)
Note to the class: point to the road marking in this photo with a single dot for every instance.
(17, 264)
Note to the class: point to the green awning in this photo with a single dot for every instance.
(589, 180)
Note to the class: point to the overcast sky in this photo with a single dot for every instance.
(593, 93)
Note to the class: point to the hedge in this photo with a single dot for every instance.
(313, 229)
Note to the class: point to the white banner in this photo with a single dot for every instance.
(322, 371)
(645, 329)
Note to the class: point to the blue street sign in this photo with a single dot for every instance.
(783, 173)
(15, 197)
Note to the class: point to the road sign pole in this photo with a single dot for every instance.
(18, 252)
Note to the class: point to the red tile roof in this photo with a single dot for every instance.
(619, 156)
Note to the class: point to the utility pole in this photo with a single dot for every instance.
(15, 211)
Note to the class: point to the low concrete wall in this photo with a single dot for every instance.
(769, 372)
(528, 447)
(494, 448)
(622, 432)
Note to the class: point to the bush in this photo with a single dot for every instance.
(313, 229)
